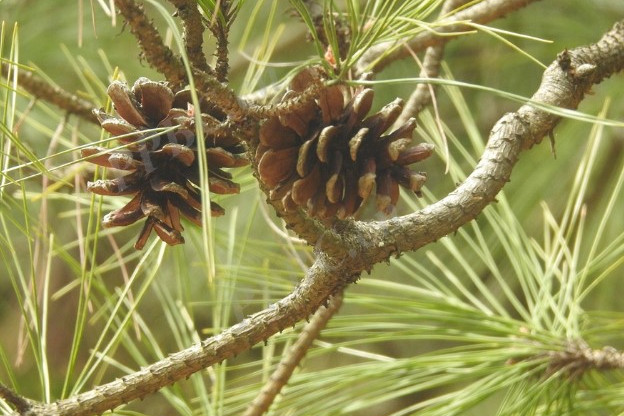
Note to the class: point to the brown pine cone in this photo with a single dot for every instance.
(325, 157)
(164, 166)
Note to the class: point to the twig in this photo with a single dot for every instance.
(193, 33)
(578, 358)
(265, 111)
(221, 96)
(293, 357)
(377, 57)
(422, 95)
(167, 63)
(363, 245)
(220, 28)
(158, 55)
(21, 404)
(54, 94)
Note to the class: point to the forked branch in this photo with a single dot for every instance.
(157, 54)
(165, 61)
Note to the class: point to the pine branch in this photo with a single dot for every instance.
(293, 357)
(578, 358)
(421, 97)
(356, 247)
(193, 33)
(377, 57)
(20, 404)
(171, 66)
(220, 27)
(41, 89)
(158, 55)
(564, 84)
(321, 281)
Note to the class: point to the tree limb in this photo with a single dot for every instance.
(322, 280)
(41, 89)
(378, 57)
(564, 84)
(293, 357)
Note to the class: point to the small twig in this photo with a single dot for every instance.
(578, 358)
(422, 95)
(167, 63)
(264, 94)
(158, 55)
(54, 94)
(21, 404)
(377, 57)
(193, 33)
(293, 357)
(220, 27)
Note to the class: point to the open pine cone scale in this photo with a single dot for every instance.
(326, 157)
(163, 167)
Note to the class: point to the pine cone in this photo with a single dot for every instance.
(324, 156)
(164, 166)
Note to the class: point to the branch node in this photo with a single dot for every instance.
(158, 55)
(579, 357)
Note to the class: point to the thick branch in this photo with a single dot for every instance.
(293, 357)
(564, 84)
(322, 280)
(377, 57)
(43, 90)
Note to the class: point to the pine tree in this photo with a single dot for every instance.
(280, 150)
